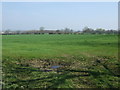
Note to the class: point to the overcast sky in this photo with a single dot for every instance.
(58, 15)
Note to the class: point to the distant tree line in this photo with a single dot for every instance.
(87, 30)
(42, 30)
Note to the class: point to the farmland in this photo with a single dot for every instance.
(86, 61)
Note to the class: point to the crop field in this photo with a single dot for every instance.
(60, 61)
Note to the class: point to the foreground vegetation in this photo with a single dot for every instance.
(86, 61)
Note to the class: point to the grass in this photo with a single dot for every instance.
(87, 61)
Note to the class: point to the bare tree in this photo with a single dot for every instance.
(7, 32)
(99, 31)
(88, 30)
(42, 28)
(67, 30)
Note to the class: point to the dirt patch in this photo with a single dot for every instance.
(46, 65)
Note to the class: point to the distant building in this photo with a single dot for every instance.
(2, 32)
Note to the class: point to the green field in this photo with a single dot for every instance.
(86, 61)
